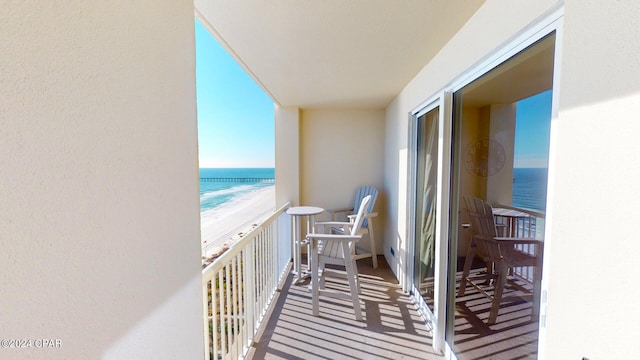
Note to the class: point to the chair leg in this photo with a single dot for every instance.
(497, 293)
(351, 275)
(537, 278)
(354, 265)
(372, 240)
(322, 275)
(468, 261)
(315, 301)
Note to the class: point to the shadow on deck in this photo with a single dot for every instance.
(513, 336)
(392, 329)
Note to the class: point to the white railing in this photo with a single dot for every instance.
(531, 226)
(239, 286)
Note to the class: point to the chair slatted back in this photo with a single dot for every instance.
(334, 248)
(483, 225)
(363, 207)
(361, 193)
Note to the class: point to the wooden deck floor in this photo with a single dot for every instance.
(513, 336)
(392, 329)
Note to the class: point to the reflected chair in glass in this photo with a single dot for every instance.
(502, 252)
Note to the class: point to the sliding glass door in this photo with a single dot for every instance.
(484, 139)
(426, 168)
(500, 146)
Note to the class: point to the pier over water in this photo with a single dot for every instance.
(237, 179)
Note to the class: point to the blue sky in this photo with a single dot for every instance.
(235, 117)
(532, 131)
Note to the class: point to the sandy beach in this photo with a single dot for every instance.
(224, 225)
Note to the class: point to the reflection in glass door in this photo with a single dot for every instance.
(495, 249)
(425, 210)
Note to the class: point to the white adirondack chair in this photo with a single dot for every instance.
(502, 253)
(336, 249)
(367, 224)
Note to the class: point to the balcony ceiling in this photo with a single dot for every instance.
(334, 53)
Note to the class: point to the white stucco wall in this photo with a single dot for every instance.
(590, 265)
(99, 210)
(492, 25)
(503, 130)
(592, 307)
(287, 155)
(341, 150)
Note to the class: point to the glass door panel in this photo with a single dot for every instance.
(489, 133)
(425, 222)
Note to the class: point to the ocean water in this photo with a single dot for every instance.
(216, 193)
(530, 188)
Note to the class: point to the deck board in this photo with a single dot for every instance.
(392, 329)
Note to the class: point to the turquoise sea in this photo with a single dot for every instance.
(530, 188)
(222, 185)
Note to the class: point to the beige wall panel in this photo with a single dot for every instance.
(476, 125)
(341, 150)
(592, 264)
(287, 130)
(100, 210)
(503, 130)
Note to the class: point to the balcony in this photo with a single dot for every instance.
(257, 312)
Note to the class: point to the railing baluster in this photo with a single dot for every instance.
(207, 333)
(214, 318)
(242, 283)
(223, 335)
(228, 318)
(263, 284)
(272, 259)
(258, 277)
(242, 304)
(267, 272)
(248, 290)
(234, 307)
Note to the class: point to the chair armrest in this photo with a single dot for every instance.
(334, 223)
(368, 216)
(338, 237)
(517, 240)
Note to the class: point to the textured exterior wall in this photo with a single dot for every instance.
(591, 308)
(341, 150)
(99, 209)
(287, 153)
(593, 294)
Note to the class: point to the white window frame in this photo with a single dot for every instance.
(548, 23)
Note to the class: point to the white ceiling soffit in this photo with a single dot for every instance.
(528, 73)
(334, 53)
